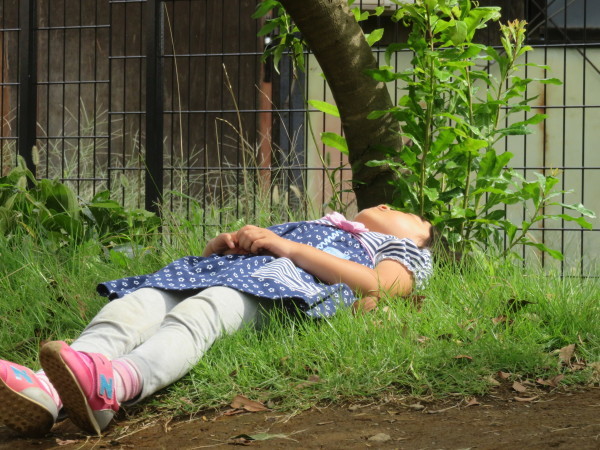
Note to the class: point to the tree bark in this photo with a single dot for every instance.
(341, 49)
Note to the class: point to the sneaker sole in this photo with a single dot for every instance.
(73, 398)
(23, 414)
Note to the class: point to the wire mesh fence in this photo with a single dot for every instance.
(173, 101)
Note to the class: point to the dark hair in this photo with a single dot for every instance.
(439, 246)
(435, 241)
(433, 236)
(441, 249)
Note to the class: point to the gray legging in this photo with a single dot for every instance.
(164, 334)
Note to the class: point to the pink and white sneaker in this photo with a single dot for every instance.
(25, 404)
(85, 383)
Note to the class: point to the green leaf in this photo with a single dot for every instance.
(263, 8)
(335, 140)
(374, 37)
(408, 156)
(119, 259)
(579, 220)
(533, 120)
(379, 11)
(460, 33)
(431, 193)
(268, 27)
(359, 16)
(393, 48)
(515, 130)
(532, 190)
(496, 214)
(579, 208)
(383, 74)
(554, 81)
(277, 54)
(554, 253)
(431, 4)
(325, 107)
(472, 146)
(510, 229)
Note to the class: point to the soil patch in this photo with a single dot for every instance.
(568, 420)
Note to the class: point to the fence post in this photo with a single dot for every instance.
(154, 105)
(27, 105)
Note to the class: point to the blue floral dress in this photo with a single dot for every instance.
(278, 278)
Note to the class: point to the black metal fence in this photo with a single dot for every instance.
(149, 97)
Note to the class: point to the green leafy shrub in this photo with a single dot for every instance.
(452, 115)
(49, 210)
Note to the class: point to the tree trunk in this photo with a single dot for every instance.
(339, 45)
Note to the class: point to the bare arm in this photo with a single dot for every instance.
(388, 276)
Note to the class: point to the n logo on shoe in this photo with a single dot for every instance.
(21, 375)
(106, 387)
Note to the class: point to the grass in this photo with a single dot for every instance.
(472, 323)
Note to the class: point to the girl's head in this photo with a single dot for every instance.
(384, 219)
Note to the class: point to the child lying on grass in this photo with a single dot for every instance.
(158, 326)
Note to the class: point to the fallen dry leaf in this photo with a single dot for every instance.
(463, 357)
(186, 400)
(240, 440)
(595, 372)
(578, 365)
(491, 380)
(472, 402)
(499, 319)
(241, 402)
(417, 300)
(311, 369)
(416, 406)
(468, 325)
(233, 412)
(380, 437)
(552, 382)
(309, 382)
(519, 387)
(66, 442)
(566, 353)
(261, 437)
(526, 399)
(503, 375)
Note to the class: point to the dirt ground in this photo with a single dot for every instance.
(564, 420)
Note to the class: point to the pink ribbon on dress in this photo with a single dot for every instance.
(342, 223)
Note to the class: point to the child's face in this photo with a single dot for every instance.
(385, 220)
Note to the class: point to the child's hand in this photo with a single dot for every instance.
(262, 241)
(364, 305)
(223, 244)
